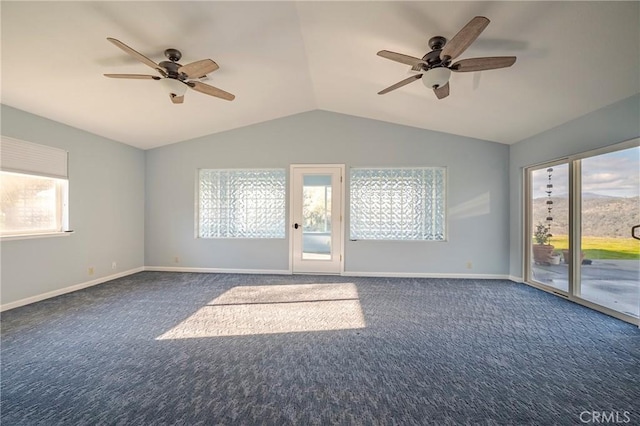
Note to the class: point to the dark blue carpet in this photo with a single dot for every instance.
(433, 352)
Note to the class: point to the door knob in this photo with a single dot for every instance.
(296, 226)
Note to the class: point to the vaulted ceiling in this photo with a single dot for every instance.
(283, 58)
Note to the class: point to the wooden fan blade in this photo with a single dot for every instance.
(199, 68)
(176, 99)
(210, 90)
(467, 35)
(136, 76)
(481, 64)
(442, 92)
(137, 55)
(400, 84)
(399, 57)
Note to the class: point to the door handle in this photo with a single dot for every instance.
(296, 226)
(633, 232)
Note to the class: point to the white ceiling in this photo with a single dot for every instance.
(283, 58)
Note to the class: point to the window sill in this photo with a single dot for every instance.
(31, 236)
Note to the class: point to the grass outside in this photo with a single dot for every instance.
(602, 247)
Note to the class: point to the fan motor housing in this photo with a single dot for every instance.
(171, 67)
(432, 58)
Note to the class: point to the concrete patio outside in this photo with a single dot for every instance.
(612, 283)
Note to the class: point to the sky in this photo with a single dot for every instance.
(616, 174)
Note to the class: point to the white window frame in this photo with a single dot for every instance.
(23, 158)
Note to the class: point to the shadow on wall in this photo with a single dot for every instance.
(477, 206)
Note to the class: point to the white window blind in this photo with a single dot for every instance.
(30, 158)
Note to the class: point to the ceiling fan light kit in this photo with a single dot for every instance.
(436, 77)
(435, 67)
(175, 78)
(173, 86)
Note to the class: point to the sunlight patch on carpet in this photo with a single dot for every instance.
(249, 310)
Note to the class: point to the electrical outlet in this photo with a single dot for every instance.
(176, 259)
(114, 265)
(469, 265)
(90, 270)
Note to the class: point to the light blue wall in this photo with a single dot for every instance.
(112, 223)
(610, 125)
(106, 201)
(477, 194)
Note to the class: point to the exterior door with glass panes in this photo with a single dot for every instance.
(316, 218)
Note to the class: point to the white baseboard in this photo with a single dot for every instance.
(515, 279)
(425, 275)
(344, 274)
(76, 287)
(217, 270)
(48, 295)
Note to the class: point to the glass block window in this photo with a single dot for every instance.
(398, 204)
(241, 203)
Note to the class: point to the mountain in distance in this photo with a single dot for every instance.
(592, 195)
(602, 215)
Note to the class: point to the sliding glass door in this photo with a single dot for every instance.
(609, 209)
(580, 214)
(549, 225)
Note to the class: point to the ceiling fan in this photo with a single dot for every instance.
(175, 77)
(435, 67)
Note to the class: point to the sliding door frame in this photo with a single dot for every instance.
(528, 225)
(575, 201)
